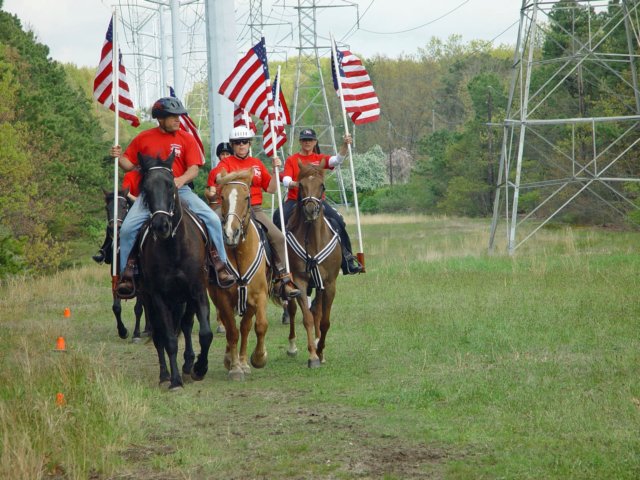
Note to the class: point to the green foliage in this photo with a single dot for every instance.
(369, 168)
(50, 164)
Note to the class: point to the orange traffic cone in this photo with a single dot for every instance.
(60, 346)
(60, 401)
(67, 312)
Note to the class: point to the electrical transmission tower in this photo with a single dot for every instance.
(310, 85)
(578, 58)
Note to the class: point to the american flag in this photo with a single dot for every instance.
(103, 83)
(248, 84)
(243, 119)
(189, 126)
(282, 118)
(360, 100)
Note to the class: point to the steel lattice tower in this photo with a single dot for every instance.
(310, 86)
(548, 163)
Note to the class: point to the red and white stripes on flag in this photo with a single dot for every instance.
(242, 119)
(282, 118)
(360, 99)
(248, 85)
(103, 83)
(188, 125)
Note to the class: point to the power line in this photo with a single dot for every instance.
(419, 26)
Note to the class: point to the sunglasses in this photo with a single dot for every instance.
(240, 142)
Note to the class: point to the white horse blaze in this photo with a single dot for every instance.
(233, 200)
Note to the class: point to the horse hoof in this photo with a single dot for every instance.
(236, 375)
(136, 340)
(285, 318)
(176, 388)
(123, 335)
(292, 353)
(258, 362)
(314, 363)
(220, 329)
(196, 378)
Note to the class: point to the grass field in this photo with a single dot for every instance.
(443, 362)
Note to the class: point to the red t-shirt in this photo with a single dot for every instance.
(131, 180)
(261, 176)
(158, 143)
(291, 168)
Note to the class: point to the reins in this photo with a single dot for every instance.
(172, 205)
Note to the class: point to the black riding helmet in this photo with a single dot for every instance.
(167, 106)
(224, 147)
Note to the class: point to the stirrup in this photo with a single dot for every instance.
(282, 281)
(126, 289)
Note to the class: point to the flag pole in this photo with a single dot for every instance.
(115, 93)
(274, 142)
(334, 52)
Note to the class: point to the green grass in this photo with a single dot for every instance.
(442, 362)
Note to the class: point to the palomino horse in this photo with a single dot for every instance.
(247, 259)
(116, 307)
(315, 258)
(173, 277)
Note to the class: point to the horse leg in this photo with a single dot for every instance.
(158, 341)
(186, 325)
(245, 327)
(316, 310)
(169, 317)
(117, 311)
(205, 336)
(227, 315)
(325, 320)
(259, 355)
(292, 349)
(308, 322)
(138, 311)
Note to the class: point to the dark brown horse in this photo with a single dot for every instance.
(247, 259)
(315, 258)
(116, 307)
(173, 277)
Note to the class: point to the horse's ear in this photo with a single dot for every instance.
(300, 163)
(170, 159)
(144, 161)
(125, 192)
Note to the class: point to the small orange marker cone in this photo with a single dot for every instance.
(60, 345)
(60, 401)
(67, 312)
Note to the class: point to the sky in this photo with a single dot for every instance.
(74, 30)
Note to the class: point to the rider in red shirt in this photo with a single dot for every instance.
(310, 154)
(240, 140)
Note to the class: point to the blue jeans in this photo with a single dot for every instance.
(139, 213)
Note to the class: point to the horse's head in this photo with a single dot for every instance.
(311, 189)
(160, 193)
(122, 207)
(235, 195)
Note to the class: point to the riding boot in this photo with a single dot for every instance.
(99, 257)
(126, 287)
(350, 264)
(284, 285)
(219, 274)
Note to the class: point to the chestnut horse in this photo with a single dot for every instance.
(247, 259)
(116, 307)
(315, 258)
(173, 277)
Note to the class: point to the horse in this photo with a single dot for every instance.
(315, 258)
(173, 275)
(247, 259)
(116, 307)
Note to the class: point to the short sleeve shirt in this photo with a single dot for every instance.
(291, 168)
(261, 176)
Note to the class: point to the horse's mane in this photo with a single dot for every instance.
(244, 176)
(308, 169)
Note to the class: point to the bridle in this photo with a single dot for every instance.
(244, 222)
(317, 205)
(172, 205)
